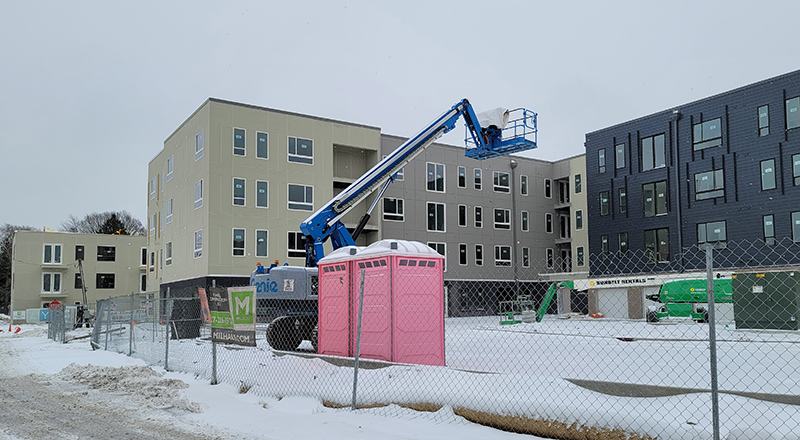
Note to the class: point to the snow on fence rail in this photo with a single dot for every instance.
(620, 354)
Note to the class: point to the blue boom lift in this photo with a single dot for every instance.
(288, 295)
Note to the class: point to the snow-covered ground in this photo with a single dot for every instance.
(534, 358)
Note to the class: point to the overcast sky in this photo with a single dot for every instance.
(89, 90)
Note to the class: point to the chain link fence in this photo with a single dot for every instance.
(633, 351)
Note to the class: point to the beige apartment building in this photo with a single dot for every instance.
(45, 268)
(233, 183)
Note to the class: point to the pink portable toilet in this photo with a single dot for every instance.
(333, 336)
(403, 318)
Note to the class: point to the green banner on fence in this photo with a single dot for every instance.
(233, 316)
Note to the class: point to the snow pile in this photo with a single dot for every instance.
(139, 383)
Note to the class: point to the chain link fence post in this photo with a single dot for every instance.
(168, 317)
(712, 337)
(358, 339)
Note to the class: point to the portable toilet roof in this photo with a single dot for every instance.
(404, 248)
(341, 254)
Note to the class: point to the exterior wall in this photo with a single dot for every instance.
(742, 202)
(339, 150)
(28, 267)
(413, 190)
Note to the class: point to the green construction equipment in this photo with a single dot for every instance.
(688, 299)
(548, 297)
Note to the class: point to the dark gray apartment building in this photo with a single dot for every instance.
(719, 170)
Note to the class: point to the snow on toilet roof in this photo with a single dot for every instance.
(341, 254)
(403, 247)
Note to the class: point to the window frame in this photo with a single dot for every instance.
(704, 131)
(399, 210)
(652, 157)
(717, 188)
(604, 199)
(258, 145)
(792, 106)
(704, 227)
(106, 253)
(105, 281)
(56, 253)
(439, 217)
(462, 216)
(170, 167)
(299, 240)
(655, 204)
(763, 120)
(548, 188)
(795, 222)
(506, 223)
(258, 193)
(523, 185)
(478, 254)
(578, 219)
(239, 147)
(524, 221)
(770, 171)
(198, 194)
(266, 240)
(434, 245)
(477, 182)
(550, 258)
(478, 216)
(463, 258)
(658, 249)
(304, 205)
(238, 251)
(198, 239)
(240, 200)
(169, 217)
(462, 177)
(548, 223)
(168, 253)
(623, 245)
(619, 155)
(499, 250)
(601, 160)
(526, 257)
(199, 145)
(296, 157)
(622, 200)
(580, 257)
(51, 287)
(497, 182)
(796, 169)
(433, 180)
(578, 183)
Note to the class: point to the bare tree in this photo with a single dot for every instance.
(6, 241)
(94, 223)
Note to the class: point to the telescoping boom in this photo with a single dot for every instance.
(515, 135)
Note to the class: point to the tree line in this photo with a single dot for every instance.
(109, 222)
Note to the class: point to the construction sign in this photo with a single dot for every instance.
(233, 315)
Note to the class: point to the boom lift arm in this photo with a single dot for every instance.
(482, 143)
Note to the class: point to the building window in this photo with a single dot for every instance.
(152, 261)
(502, 218)
(462, 254)
(622, 243)
(653, 152)
(198, 194)
(768, 174)
(198, 145)
(550, 258)
(769, 229)
(763, 120)
(707, 134)
(441, 249)
(523, 217)
(654, 197)
(238, 242)
(169, 211)
(51, 282)
(579, 219)
(152, 188)
(105, 281)
(238, 142)
(297, 245)
(168, 252)
(601, 160)
(656, 244)
(393, 209)
(301, 197)
(301, 150)
(619, 155)
(78, 281)
(605, 208)
(238, 191)
(400, 174)
(462, 215)
(51, 254)
(622, 200)
(198, 243)
(80, 252)
(796, 168)
(436, 217)
(548, 188)
(502, 255)
(478, 217)
(578, 184)
(262, 243)
(579, 256)
(462, 177)
(106, 253)
(435, 177)
(143, 261)
(526, 257)
(793, 113)
(153, 225)
(262, 145)
(479, 255)
(501, 182)
(170, 167)
(709, 185)
(548, 223)
(160, 223)
(712, 232)
(604, 246)
(478, 179)
(796, 226)
(523, 185)
(143, 282)
(262, 194)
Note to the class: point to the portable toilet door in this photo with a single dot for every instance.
(376, 320)
(333, 323)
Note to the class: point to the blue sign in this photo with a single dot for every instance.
(44, 315)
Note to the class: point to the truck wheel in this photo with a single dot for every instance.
(652, 316)
(282, 334)
(315, 338)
